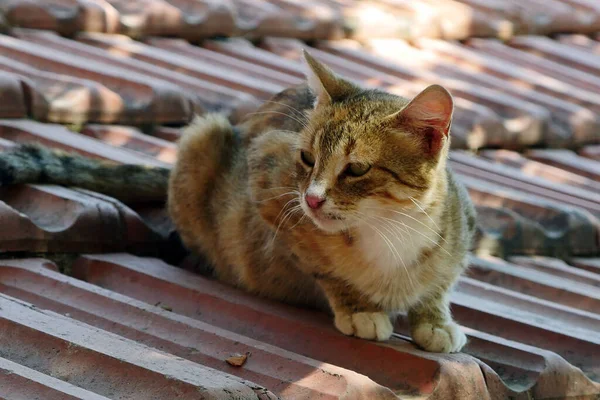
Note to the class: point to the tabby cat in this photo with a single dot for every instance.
(330, 195)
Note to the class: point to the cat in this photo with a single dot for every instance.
(330, 195)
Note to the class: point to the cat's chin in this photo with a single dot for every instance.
(329, 225)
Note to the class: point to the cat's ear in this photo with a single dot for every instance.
(428, 115)
(324, 83)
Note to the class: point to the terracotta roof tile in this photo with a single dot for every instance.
(288, 18)
(569, 161)
(533, 168)
(183, 18)
(71, 350)
(23, 131)
(200, 69)
(591, 151)
(12, 96)
(140, 99)
(532, 320)
(66, 16)
(133, 139)
(55, 219)
(60, 98)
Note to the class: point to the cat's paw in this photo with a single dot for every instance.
(443, 338)
(365, 325)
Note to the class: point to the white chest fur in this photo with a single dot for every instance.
(391, 247)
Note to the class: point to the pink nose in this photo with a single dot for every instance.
(314, 202)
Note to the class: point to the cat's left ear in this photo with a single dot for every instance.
(429, 116)
(324, 83)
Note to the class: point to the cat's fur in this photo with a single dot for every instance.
(393, 239)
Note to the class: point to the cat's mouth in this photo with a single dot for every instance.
(327, 222)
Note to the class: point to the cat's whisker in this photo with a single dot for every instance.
(299, 221)
(421, 233)
(285, 216)
(279, 188)
(416, 203)
(395, 229)
(283, 209)
(412, 218)
(390, 245)
(296, 193)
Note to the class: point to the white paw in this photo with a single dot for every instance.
(447, 338)
(366, 325)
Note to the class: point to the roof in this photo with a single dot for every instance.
(99, 301)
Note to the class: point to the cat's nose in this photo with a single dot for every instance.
(313, 201)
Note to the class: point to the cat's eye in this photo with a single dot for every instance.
(307, 158)
(357, 169)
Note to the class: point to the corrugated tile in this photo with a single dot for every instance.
(560, 269)
(219, 61)
(166, 133)
(12, 96)
(561, 53)
(71, 350)
(531, 321)
(142, 99)
(539, 169)
(19, 382)
(286, 373)
(573, 110)
(509, 177)
(588, 264)
(514, 222)
(569, 161)
(64, 16)
(311, 335)
(23, 131)
(195, 68)
(288, 18)
(39, 218)
(591, 151)
(182, 18)
(242, 49)
(132, 139)
(563, 71)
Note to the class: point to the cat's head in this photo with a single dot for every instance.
(364, 152)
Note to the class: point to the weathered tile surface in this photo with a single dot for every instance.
(125, 76)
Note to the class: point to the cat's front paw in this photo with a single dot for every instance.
(365, 325)
(439, 338)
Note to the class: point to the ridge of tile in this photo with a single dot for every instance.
(227, 308)
(69, 347)
(288, 374)
(57, 136)
(517, 223)
(539, 169)
(19, 382)
(567, 160)
(187, 19)
(131, 138)
(12, 96)
(146, 100)
(39, 218)
(194, 68)
(65, 17)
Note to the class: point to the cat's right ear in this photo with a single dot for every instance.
(324, 83)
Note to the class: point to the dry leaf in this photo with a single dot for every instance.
(237, 359)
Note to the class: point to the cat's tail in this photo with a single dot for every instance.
(34, 163)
